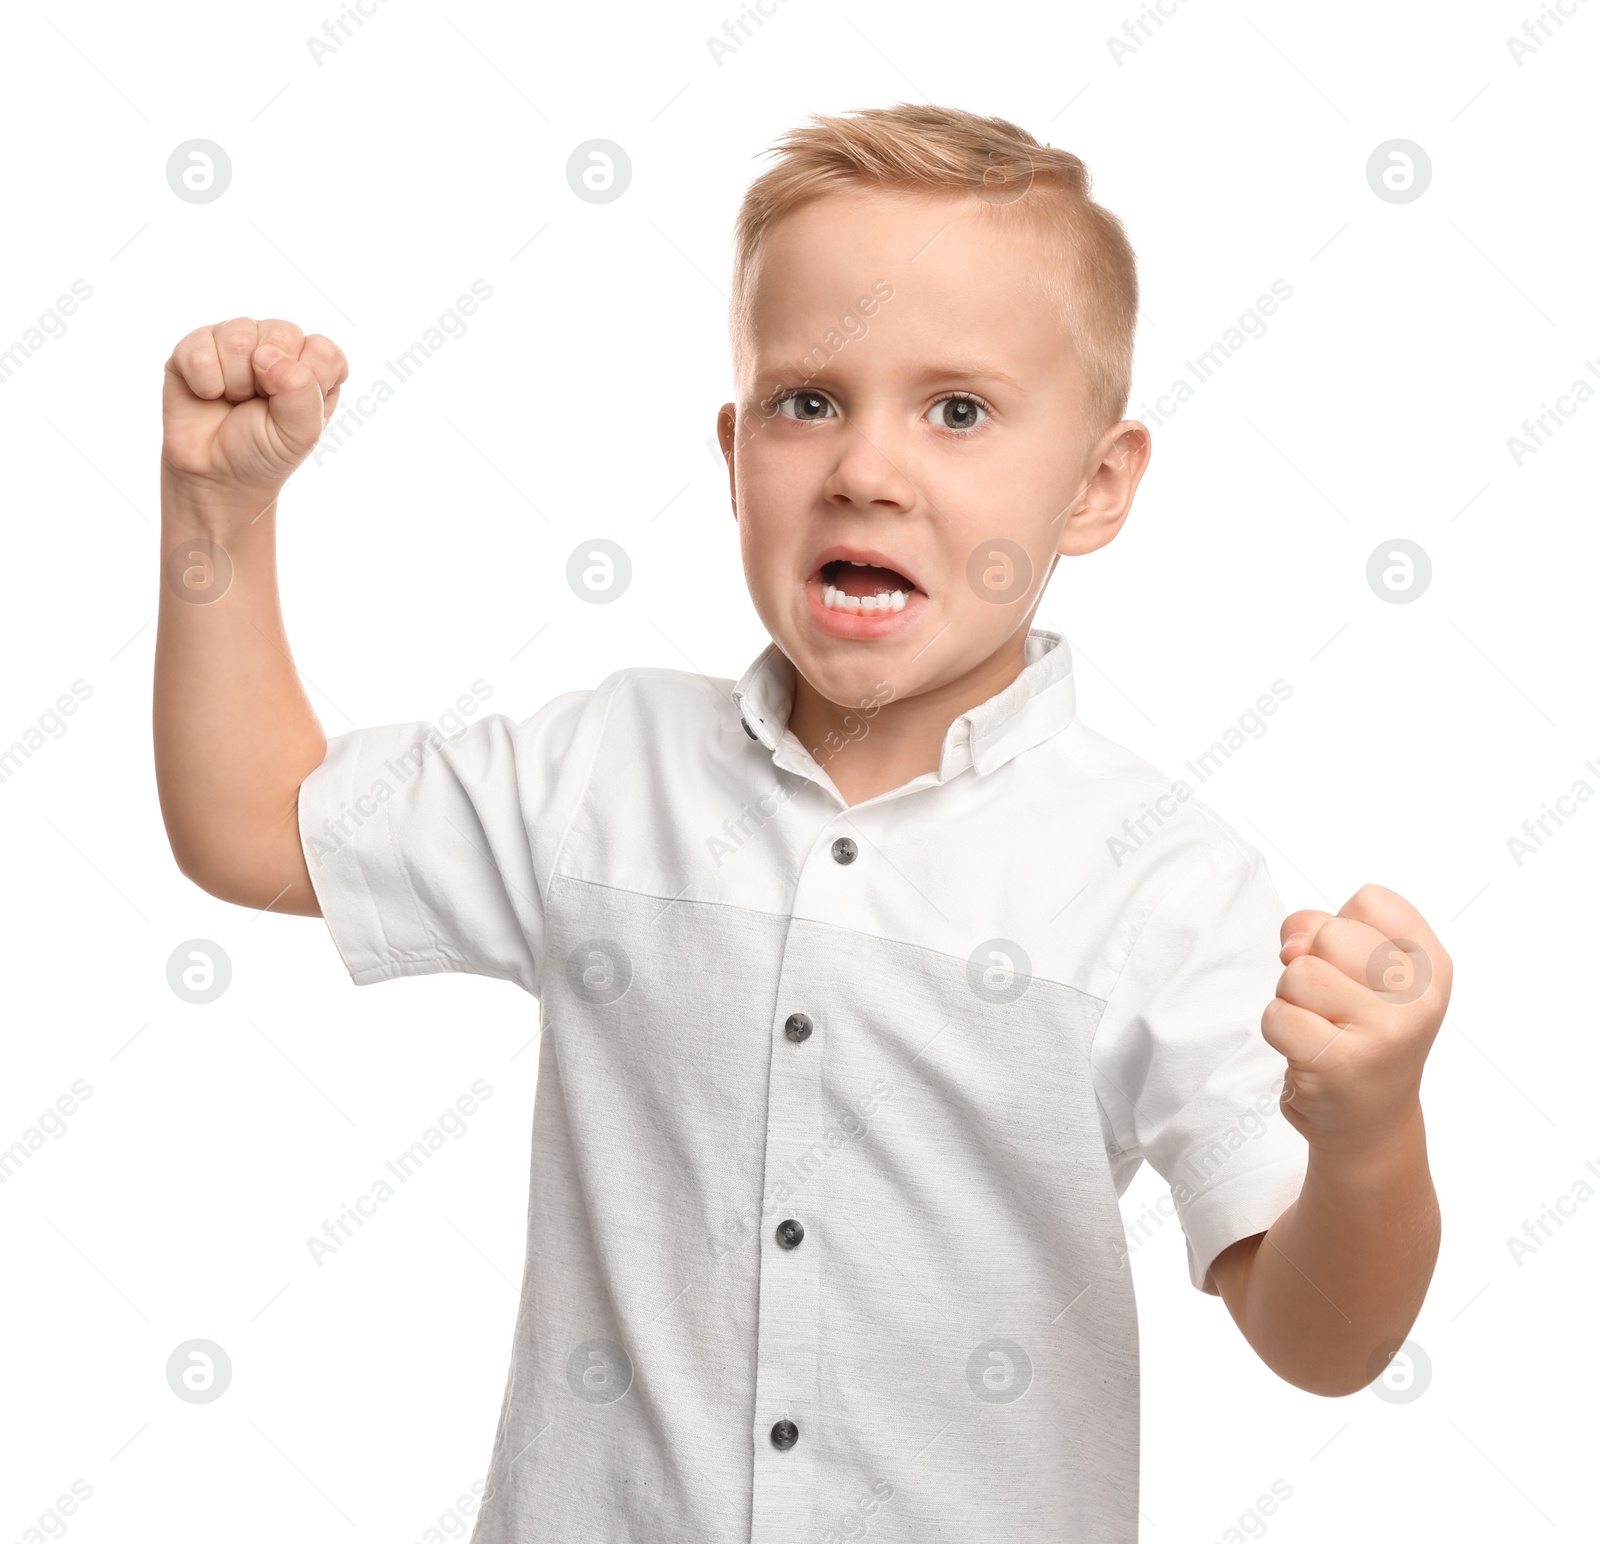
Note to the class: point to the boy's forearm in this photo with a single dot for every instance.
(1345, 1269)
(234, 732)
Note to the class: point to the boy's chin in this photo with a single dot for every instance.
(859, 697)
(850, 674)
(935, 655)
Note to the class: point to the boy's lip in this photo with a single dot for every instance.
(843, 553)
(860, 624)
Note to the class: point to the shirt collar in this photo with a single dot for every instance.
(1039, 703)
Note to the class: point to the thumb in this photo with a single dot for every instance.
(294, 400)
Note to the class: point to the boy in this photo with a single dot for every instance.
(867, 981)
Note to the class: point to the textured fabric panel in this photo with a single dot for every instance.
(946, 1226)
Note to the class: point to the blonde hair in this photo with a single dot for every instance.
(910, 148)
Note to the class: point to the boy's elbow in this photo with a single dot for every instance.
(1324, 1372)
(272, 877)
(1325, 1384)
(196, 865)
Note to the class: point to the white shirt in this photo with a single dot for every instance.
(829, 1138)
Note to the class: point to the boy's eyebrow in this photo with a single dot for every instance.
(965, 369)
(969, 368)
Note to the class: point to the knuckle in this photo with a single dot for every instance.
(196, 359)
(325, 351)
(197, 350)
(282, 334)
(236, 337)
(1327, 938)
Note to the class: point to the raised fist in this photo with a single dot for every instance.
(242, 405)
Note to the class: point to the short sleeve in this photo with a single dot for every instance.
(1184, 1075)
(431, 853)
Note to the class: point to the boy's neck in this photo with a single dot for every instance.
(905, 737)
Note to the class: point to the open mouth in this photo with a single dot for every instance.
(864, 587)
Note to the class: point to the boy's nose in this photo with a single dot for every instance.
(867, 472)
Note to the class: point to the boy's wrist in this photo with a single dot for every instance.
(1401, 1143)
(212, 509)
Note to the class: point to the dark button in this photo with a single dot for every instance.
(785, 1434)
(844, 850)
(744, 724)
(797, 1027)
(790, 1232)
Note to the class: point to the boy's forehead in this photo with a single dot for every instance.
(920, 265)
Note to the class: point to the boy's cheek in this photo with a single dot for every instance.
(774, 490)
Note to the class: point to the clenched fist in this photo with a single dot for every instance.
(242, 405)
(1358, 1005)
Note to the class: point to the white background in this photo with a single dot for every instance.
(429, 151)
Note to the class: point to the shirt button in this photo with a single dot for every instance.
(797, 1026)
(844, 850)
(744, 724)
(785, 1434)
(790, 1232)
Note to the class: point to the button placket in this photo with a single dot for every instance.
(788, 1355)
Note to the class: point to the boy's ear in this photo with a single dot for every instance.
(1123, 453)
(726, 424)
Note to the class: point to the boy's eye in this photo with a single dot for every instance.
(958, 411)
(808, 405)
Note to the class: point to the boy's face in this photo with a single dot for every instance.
(907, 401)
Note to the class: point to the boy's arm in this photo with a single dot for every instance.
(242, 405)
(1343, 1271)
(1327, 1293)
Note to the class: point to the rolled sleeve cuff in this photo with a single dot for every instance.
(1239, 1205)
(356, 870)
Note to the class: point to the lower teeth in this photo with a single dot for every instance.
(836, 600)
